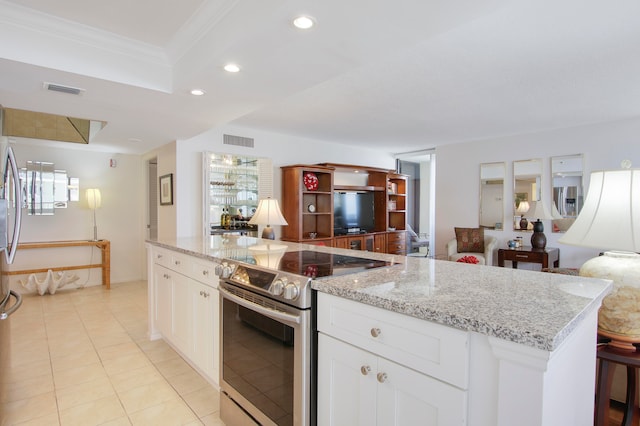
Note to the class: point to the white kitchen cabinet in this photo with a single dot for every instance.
(356, 387)
(346, 395)
(379, 367)
(184, 301)
(162, 306)
(204, 314)
(181, 324)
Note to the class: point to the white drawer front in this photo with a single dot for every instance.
(439, 351)
(162, 257)
(180, 263)
(203, 271)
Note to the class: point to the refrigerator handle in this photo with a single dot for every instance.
(11, 254)
(5, 314)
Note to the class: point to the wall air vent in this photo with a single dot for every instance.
(237, 141)
(63, 89)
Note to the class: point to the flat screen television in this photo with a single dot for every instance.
(353, 212)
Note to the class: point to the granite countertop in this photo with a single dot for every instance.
(526, 307)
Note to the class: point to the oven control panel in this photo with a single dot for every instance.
(285, 287)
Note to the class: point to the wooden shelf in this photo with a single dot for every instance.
(103, 245)
(357, 188)
(379, 182)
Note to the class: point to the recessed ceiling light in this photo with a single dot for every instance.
(231, 68)
(197, 92)
(303, 22)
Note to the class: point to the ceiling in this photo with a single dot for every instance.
(399, 76)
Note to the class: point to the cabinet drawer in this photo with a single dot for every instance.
(161, 257)
(398, 247)
(203, 271)
(179, 263)
(396, 237)
(439, 351)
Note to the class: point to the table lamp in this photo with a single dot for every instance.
(268, 214)
(94, 200)
(540, 212)
(522, 208)
(610, 220)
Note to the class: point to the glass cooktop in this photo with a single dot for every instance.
(315, 264)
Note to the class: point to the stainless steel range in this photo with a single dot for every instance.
(267, 367)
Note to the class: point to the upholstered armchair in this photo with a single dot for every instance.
(417, 240)
(484, 258)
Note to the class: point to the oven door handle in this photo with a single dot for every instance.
(272, 313)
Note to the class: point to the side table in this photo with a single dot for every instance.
(607, 356)
(531, 255)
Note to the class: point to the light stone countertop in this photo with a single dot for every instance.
(526, 307)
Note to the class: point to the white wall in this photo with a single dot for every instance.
(119, 219)
(458, 169)
(166, 157)
(282, 149)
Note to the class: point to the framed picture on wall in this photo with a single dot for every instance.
(166, 190)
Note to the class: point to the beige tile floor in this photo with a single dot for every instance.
(82, 357)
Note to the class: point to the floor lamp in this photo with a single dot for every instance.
(94, 200)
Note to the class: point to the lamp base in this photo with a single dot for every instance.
(620, 341)
(268, 233)
(524, 223)
(619, 314)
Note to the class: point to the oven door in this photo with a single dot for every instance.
(266, 356)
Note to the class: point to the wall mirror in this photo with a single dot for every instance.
(527, 180)
(45, 188)
(233, 186)
(492, 195)
(566, 178)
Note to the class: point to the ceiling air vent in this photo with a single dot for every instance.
(237, 141)
(63, 89)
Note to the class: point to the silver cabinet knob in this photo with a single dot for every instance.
(365, 369)
(205, 272)
(375, 332)
(382, 377)
(177, 262)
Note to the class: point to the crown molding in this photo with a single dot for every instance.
(205, 18)
(42, 25)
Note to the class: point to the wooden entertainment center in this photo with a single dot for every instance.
(308, 206)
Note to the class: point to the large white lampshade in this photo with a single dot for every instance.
(94, 199)
(610, 220)
(268, 213)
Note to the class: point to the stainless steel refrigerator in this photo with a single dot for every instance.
(10, 219)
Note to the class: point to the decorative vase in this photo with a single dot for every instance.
(538, 239)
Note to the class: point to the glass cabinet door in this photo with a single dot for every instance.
(233, 190)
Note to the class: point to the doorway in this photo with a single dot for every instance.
(152, 198)
(420, 166)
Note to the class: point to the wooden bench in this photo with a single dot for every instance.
(103, 245)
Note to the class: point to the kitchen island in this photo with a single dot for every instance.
(498, 346)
